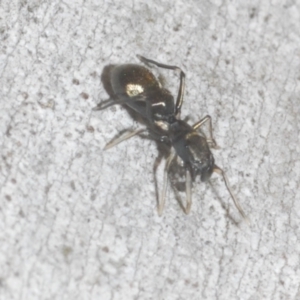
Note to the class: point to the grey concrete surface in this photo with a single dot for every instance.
(77, 222)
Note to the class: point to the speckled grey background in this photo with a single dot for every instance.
(77, 222)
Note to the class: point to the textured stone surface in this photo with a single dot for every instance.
(80, 223)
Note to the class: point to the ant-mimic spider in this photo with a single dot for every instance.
(137, 88)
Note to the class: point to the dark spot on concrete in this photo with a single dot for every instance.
(25, 95)
(72, 184)
(252, 13)
(85, 96)
(75, 81)
(177, 27)
(90, 128)
(105, 249)
(47, 189)
(261, 93)
(66, 251)
(267, 18)
(94, 74)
